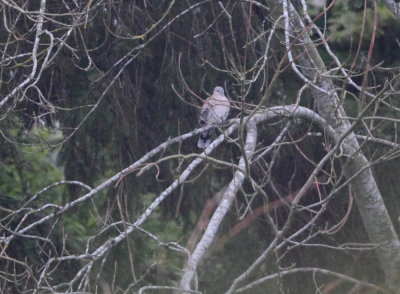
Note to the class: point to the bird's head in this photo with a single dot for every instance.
(219, 90)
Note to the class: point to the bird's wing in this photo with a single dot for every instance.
(204, 116)
(215, 109)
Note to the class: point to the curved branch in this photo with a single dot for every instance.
(222, 209)
(311, 270)
(374, 214)
(239, 176)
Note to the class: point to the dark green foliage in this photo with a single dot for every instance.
(140, 110)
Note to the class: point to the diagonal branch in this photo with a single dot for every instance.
(369, 200)
(222, 209)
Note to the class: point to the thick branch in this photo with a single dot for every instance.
(222, 209)
(370, 203)
(238, 178)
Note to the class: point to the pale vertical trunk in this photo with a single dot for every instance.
(369, 200)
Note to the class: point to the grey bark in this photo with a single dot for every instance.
(223, 208)
(369, 200)
(394, 7)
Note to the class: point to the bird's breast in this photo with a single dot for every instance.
(219, 110)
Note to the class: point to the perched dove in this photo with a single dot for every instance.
(214, 112)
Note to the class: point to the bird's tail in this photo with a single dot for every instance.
(204, 139)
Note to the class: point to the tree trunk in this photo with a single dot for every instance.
(369, 200)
